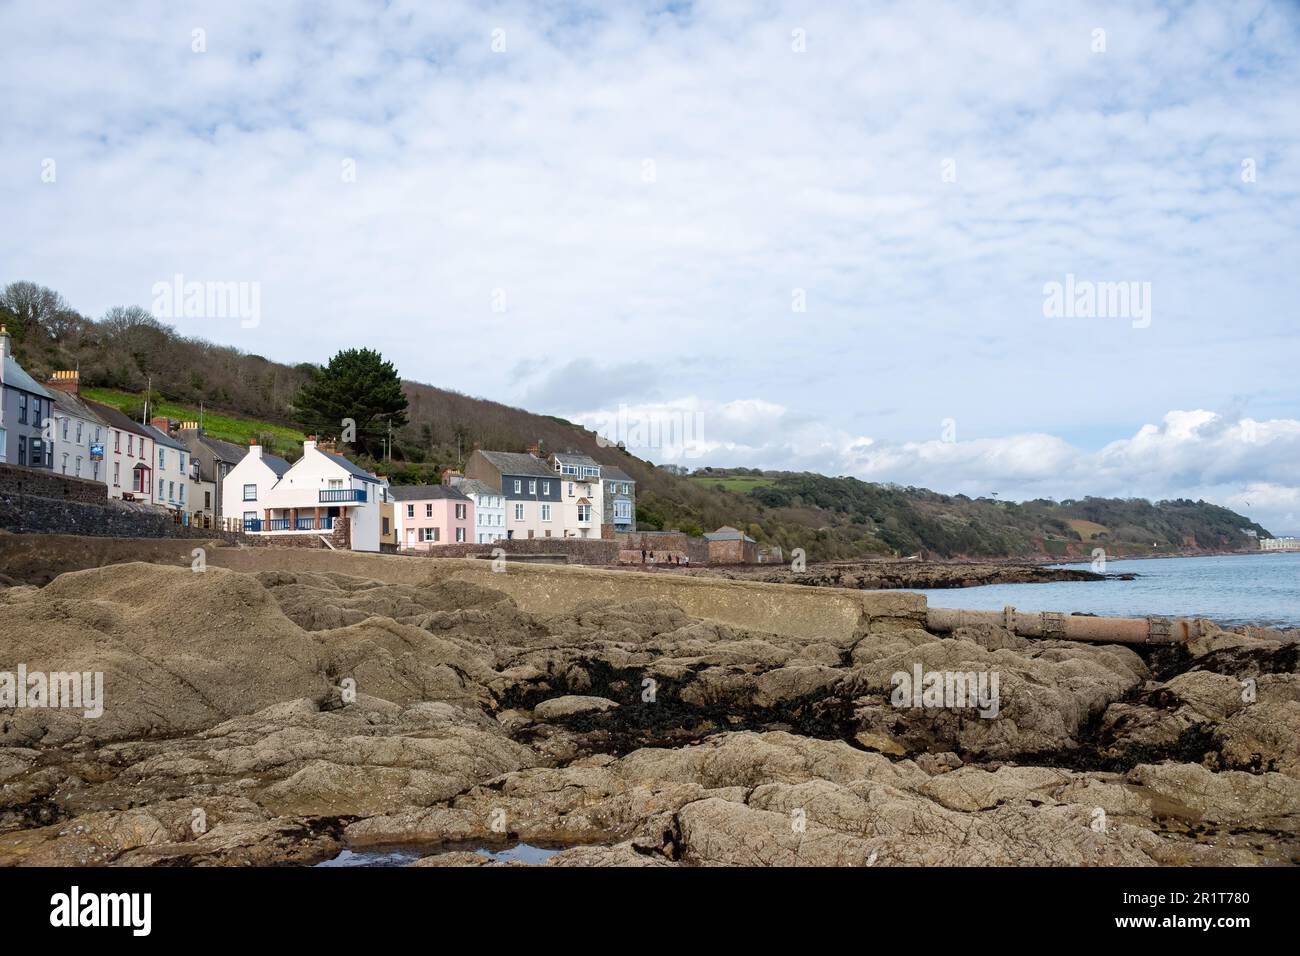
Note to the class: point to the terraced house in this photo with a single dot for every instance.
(128, 455)
(583, 504)
(531, 490)
(78, 432)
(24, 406)
(431, 515)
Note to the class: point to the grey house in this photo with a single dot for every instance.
(25, 404)
(620, 500)
(214, 457)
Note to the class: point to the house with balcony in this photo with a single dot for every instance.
(583, 504)
(314, 495)
(24, 406)
(531, 489)
(618, 491)
(431, 515)
(246, 488)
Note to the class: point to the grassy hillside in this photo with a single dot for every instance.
(279, 439)
(246, 396)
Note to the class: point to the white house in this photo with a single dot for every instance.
(489, 509)
(581, 495)
(246, 489)
(312, 495)
(78, 432)
(171, 471)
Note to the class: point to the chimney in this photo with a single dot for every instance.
(69, 382)
(255, 449)
(327, 444)
(450, 476)
(191, 427)
(5, 350)
(161, 423)
(535, 449)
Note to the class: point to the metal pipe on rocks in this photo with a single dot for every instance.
(1053, 625)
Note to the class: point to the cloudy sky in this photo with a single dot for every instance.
(805, 235)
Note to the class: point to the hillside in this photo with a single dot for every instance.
(245, 396)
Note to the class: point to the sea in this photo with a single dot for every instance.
(1261, 589)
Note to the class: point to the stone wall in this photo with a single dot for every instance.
(17, 480)
(33, 514)
(595, 551)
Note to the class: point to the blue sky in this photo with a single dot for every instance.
(587, 209)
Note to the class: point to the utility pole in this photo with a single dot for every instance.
(148, 387)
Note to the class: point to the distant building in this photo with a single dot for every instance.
(1279, 544)
(430, 515)
(730, 545)
(128, 455)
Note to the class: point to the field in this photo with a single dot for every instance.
(226, 427)
(1088, 529)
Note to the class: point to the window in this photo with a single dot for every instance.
(460, 534)
(130, 446)
(181, 496)
(546, 512)
(250, 492)
(518, 486)
(570, 489)
(546, 487)
(429, 535)
(65, 462)
(22, 411)
(584, 512)
(532, 487)
(162, 458)
(65, 429)
(519, 509)
(207, 501)
(428, 509)
(385, 526)
(98, 434)
(623, 510)
(117, 474)
(410, 511)
(117, 441)
(78, 466)
(65, 425)
(460, 512)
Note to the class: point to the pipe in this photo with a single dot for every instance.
(1054, 625)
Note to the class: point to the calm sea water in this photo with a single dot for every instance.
(1235, 589)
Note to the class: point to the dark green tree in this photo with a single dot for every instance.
(357, 384)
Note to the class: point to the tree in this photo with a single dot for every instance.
(357, 384)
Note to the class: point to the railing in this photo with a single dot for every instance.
(334, 495)
(288, 524)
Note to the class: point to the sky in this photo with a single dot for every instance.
(860, 239)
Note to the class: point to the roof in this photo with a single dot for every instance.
(355, 470)
(425, 492)
(615, 474)
(276, 464)
(573, 458)
(160, 437)
(115, 418)
(473, 486)
(73, 405)
(225, 450)
(516, 463)
(728, 533)
(16, 377)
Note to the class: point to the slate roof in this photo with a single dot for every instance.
(160, 437)
(728, 533)
(225, 450)
(517, 463)
(276, 464)
(349, 467)
(473, 486)
(16, 377)
(75, 407)
(572, 458)
(615, 474)
(117, 419)
(425, 492)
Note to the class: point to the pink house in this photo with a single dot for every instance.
(430, 515)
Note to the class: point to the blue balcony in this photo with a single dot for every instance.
(342, 495)
(288, 524)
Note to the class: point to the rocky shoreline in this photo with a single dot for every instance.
(281, 717)
(907, 575)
